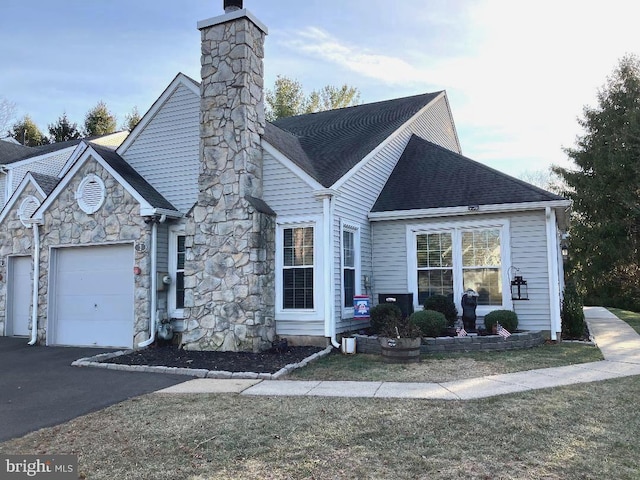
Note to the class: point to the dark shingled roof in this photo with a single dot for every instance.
(430, 176)
(12, 152)
(134, 179)
(46, 182)
(326, 145)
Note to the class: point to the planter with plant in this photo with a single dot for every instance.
(399, 339)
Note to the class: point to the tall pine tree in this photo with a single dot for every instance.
(99, 121)
(605, 189)
(27, 133)
(63, 130)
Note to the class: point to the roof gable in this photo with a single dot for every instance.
(327, 145)
(41, 183)
(151, 202)
(428, 176)
(180, 79)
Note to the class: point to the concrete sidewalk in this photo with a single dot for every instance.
(619, 343)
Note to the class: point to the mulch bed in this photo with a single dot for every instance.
(269, 361)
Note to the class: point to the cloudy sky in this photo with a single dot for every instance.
(517, 73)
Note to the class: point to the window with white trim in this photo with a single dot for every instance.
(348, 267)
(447, 259)
(481, 264)
(298, 268)
(177, 252)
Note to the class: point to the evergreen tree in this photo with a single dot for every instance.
(63, 130)
(99, 121)
(131, 119)
(288, 98)
(27, 133)
(605, 189)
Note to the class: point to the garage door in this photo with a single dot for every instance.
(19, 298)
(93, 296)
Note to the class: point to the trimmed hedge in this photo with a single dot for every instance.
(572, 314)
(430, 322)
(444, 305)
(383, 315)
(506, 318)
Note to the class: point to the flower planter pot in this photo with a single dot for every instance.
(348, 345)
(400, 350)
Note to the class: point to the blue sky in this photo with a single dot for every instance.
(517, 74)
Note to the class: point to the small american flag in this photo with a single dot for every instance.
(503, 332)
(462, 332)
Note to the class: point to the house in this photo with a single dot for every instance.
(237, 231)
(16, 159)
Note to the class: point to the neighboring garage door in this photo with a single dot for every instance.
(20, 293)
(93, 296)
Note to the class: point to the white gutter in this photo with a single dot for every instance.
(328, 267)
(552, 266)
(466, 210)
(154, 281)
(36, 283)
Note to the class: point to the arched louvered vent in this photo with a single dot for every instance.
(28, 206)
(90, 194)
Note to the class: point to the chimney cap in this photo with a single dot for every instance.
(232, 5)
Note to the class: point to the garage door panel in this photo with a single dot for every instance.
(20, 292)
(94, 296)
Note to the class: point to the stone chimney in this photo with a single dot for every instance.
(230, 233)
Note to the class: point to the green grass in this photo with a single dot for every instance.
(632, 318)
(586, 431)
(446, 367)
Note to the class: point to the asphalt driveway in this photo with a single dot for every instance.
(39, 387)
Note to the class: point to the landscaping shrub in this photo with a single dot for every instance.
(572, 314)
(382, 315)
(506, 318)
(444, 305)
(430, 322)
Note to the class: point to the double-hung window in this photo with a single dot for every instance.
(175, 294)
(298, 268)
(348, 267)
(447, 259)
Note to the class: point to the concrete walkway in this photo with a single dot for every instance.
(619, 343)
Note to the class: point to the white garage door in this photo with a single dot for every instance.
(20, 293)
(94, 291)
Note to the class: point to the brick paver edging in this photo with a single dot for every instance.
(533, 338)
(97, 361)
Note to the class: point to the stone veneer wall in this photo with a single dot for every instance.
(117, 221)
(230, 259)
(15, 239)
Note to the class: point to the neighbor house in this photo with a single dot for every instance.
(236, 230)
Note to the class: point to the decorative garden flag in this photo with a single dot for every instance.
(503, 332)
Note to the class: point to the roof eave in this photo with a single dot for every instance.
(467, 210)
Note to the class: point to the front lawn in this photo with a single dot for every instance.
(632, 318)
(446, 367)
(586, 431)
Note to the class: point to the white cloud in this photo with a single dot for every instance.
(520, 83)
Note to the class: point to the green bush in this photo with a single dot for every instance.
(430, 322)
(506, 318)
(444, 305)
(572, 314)
(384, 314)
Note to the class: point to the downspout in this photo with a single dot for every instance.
(36, 283)
(552, 266)
(329, 294)
(154, 281)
